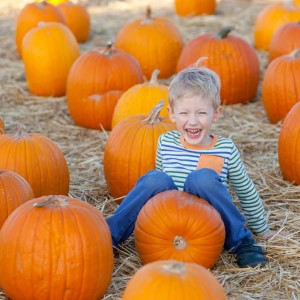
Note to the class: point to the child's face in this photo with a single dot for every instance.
(193, 117)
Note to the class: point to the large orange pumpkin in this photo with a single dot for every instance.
(281, 86)
(192, 230)
(14, 191)
(36, 158)
(130, 150)
(140, 99)
(286, 39)
(169, 279)
(31, 15)
(55, 248)
(96, 81)
(289, 146)
(195, 7)
(270, 19)
(49, 51)
(231, 57)
(77, 19)
(1, 126)
(155, 42)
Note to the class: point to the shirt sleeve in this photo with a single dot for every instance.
(244, 188)
(158, 155)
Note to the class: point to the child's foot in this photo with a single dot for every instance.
(249, 254)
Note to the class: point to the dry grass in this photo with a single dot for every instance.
(83, 148)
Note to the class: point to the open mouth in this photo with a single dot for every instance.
(193, 132)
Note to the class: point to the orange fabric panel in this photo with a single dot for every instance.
(211, 162)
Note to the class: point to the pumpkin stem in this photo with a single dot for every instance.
(154, 113)
(174, 267)
(107, 50)
(148, 12)
(288, 3)
(153, 79)
(223, 33)
(42, 4)
(295, 53)
(199, 62)
(52, 201)
(20, 133)
(179, 242)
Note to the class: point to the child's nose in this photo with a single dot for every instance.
(193, 119)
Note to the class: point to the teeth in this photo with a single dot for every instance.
(193, 131)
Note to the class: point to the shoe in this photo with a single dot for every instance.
(249, 254)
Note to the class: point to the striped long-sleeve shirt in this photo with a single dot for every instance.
(177, 158)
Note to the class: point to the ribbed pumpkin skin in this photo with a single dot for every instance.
(31, 15)
(38, 159)
(289, 146)
(232, 58)
(140, 99)
(154, 42)
(49, 51)
(77, 19)
(96, 82)
(1, 126)
(14, 191)
(192, 230)
(286, 39)
(195, 7)
(168, 279)
(270, 19)
(59, 251)
(130, 151)
(279, 94)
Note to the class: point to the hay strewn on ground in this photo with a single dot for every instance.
(83, 148)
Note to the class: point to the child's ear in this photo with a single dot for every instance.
(217, 114)
(171, 114)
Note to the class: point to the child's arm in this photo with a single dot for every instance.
(251, 203)
(158, 156)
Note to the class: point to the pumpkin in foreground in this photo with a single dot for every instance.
(289, 146)
(14, 191)
(55, 248)
(170, 279)
(130, 149)
(97, 80)
(231, 57)
(192, 230)
(37, 159)
(281, 86)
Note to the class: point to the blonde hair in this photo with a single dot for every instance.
(194, 81)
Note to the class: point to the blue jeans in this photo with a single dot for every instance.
(204, 183)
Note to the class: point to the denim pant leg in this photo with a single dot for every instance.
(122, 222)
(205, 183)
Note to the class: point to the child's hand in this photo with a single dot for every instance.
(270, 233)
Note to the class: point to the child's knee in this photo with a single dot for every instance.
(156, 179)
(205, 178)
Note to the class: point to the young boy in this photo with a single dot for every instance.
(194, 160)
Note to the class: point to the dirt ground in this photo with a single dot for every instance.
(83, 148)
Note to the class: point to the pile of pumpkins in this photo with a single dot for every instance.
(48, 250)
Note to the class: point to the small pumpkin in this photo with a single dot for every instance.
(130, 149)
(54, 2)
(170, 279)
(140, 99)
(96, 81)
(77, 19)
(49, 51)
(55, 248)
(195, 7)
(14, 191)
(155, 42)
(281, 86)
(231, 57)
(270, 19)
(31, 15)
(289, 146)
(1, 126)
(36, 158)
(286, 38)
(193, 230)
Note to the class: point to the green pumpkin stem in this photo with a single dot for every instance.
(174, 267)
(52, 201)
(295, 53)
(223, 33)
(154, 114)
